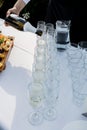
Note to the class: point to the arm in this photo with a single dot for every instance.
(18, 6)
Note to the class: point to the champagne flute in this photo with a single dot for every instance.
(51, 100)
(35, 97)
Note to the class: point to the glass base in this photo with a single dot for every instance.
(50, 114)
(35, 118)
(62, 47)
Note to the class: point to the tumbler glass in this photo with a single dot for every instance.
(62, 34)
(83, 45)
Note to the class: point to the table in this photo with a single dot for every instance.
(14, 106)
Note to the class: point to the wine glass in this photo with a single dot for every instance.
(35, 98)
(76, 62)
(49, 27)
(83, 46)
(51, 99)
(40, 28)
(39, 56)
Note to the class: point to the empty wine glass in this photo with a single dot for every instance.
(39, 55)
(76, 62)
(40, 27)
(83, 46)
(40, 47)
(49, 27)
(51, 99)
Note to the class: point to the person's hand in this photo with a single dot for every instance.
(12, 11)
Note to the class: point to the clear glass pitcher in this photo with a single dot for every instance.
(62, 34)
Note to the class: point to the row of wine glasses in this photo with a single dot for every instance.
(36, 95)
(43, 91)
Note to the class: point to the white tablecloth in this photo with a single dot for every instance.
(14, 106)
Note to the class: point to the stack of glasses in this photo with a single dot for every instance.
(77, 57)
